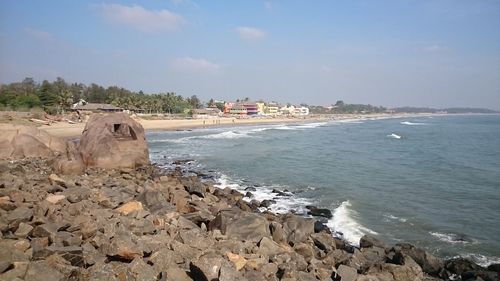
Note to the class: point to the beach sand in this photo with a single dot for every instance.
(67, 130)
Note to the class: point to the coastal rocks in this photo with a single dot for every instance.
(297, 229)
(319, 212)
(147, 224)
(241, 225)
(27, 142)
(429, 263)
(113, 141)
(369, 241)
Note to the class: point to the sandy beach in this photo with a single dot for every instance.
(68, 130)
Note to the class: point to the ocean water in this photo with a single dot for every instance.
(430, 181)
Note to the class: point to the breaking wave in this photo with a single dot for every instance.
(452, 238)
(412, 123)
(344, 221)
(394, 136)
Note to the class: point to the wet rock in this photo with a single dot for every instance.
(267, 203)
(460, 266)
(370, 241)
(494, 267)
(241, 225)
(321, 227)
(319, 212)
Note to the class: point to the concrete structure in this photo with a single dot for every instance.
(252, 108)
(301, 111)
(238, 109)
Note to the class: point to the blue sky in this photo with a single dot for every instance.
(394, 53)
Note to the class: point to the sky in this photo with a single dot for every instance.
(442, 53)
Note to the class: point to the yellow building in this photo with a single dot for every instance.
(261, 108)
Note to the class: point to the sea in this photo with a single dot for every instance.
(431, 181)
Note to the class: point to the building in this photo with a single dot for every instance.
(95, 107)
(205, 113)
(252, 108)
(238, 110)
(261, 108)
(287, 110)
(301, 111)
(272, 109)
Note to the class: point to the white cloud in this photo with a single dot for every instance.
(140, 18)
(190, 64)
(434, 48)
(38, 34)
(250, 33)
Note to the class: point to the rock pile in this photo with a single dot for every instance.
(108, 141)
(144, 224)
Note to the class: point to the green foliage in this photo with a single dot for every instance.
(58, 96)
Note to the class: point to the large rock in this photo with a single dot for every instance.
(429, 263)
(240, 225)
(25, 142)
(113, 141)
(297, 229)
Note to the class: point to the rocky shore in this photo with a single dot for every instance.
(150, 224)
(98, 210)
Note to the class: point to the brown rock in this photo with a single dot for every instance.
(129, 207)
(113, 141)
(239, 261)
(241, 225)
(297, 229)
(347, 273)
(177, 274)
(54, 199)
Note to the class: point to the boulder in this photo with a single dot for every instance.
(347, 273)
(324, 241)
(319, 212)
(370, 241)
(70, 162)
(113, 141)
(429, 263)
(460, 266)
(240, 225)
(175, 273)
(129, 207)
(28, 142)
(297, 229)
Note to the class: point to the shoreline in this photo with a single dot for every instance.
(148, 222)
(67, 130)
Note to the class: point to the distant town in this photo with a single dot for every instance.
(59, 96)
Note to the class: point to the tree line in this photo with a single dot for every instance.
(58, 96)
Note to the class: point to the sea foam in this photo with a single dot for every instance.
(412, 123)
(344, 220)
